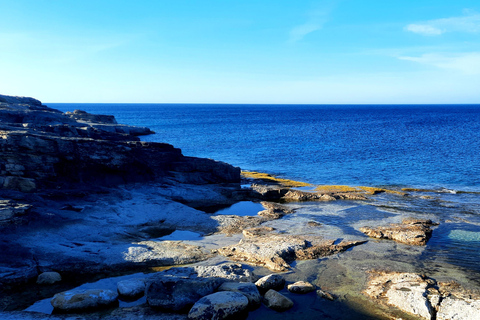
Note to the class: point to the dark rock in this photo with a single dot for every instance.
(277, 301)
(174, 294)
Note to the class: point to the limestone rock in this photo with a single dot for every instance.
(131, 289)
(248, 289)
(165, 253)
(175, 294)
(410, 231)
(257, 231)
(49, 278)
(301, 287)
(274, 210)
(275, 251)
(84, 300)
(277, 301)
(220, 305)
(271, 281)
(452, 308)
(228, 271)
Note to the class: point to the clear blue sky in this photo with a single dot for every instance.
(332, 51)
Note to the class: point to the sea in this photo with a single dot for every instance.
(434, 150)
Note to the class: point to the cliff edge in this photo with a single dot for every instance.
(43, 148)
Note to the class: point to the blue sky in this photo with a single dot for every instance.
(332, 51)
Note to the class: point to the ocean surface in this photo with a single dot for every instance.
(422, 146)
(434, 147)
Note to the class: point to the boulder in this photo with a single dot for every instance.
(277, 301)
(84, 300)
(272, 281)
(220, 305)
(131, 288)
(248, 289)
(301, 287)
(49, 278)
(228, 271)
(410, 231)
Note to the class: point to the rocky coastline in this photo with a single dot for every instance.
(83, 199)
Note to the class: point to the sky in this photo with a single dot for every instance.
(248, 51)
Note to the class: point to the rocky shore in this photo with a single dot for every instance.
(82, 199)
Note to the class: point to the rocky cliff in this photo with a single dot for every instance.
(42, 148)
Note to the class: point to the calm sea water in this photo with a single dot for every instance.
(432, 146)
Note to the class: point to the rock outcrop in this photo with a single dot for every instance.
(423, 296)
(275, 251)
(411, 231)
(43, 148)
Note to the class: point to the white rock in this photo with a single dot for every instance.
(272, 281)
(301, 287)
(456, 309)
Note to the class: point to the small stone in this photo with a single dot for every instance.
(301, 287)
(49, 278)
(217, 306)
(277, 301)
(132, 288)
(272, 281)
(325, 295)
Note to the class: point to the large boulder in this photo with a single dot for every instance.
(131, 288)
(220, 305)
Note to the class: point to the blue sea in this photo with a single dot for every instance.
(421, 146)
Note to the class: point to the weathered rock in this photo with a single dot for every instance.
(165, 253)
(220, 305)
(277, 301)
(49, 278)
(85, 300)
(256, 232)
(131, 289)
(227, 271)
(271, 281)
(423, 296)
(231, 224)
(269, 193)
(272, 251)
(325, 295)
(175, 294)
(274, 210)
(411, 231)
(297, 195)
(248, 289)
(301, 287)
(275, 251)
(452, 308)
(43, 148)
